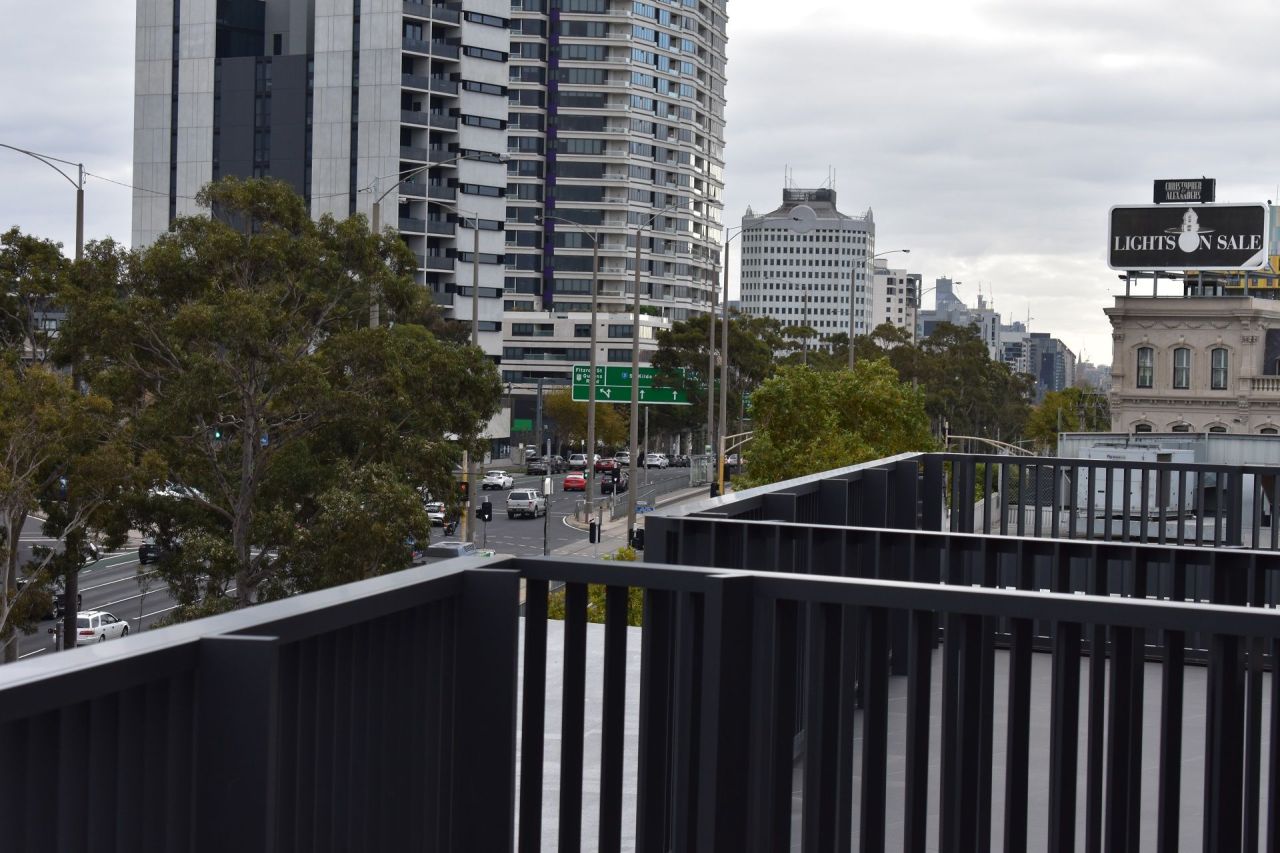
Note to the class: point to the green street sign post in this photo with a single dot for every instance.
(613, 385)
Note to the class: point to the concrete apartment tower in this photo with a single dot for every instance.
(609, 111)
(802, 263)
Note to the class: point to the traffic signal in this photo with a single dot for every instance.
(484, 512)
(464, 489)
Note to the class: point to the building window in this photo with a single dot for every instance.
(1217, 429)
(1218, 369)
(1269, 431)
(1146, 364)
(1142, 427)
(1180, 428)
(1182, 368)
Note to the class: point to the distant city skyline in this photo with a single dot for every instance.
(989, 138)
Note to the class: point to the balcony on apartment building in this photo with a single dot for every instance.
(933, 651)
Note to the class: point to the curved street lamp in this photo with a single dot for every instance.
(77, 182)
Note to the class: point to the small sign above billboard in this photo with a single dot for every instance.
(1180, 237)
(1186, 191)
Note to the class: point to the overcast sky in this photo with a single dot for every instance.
(990, 138)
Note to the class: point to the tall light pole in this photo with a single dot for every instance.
(77, 182)
(853, 287)
(594, 237)
(635, 377)
(375, 223)
(724, 353)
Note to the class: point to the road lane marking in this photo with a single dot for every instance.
(117, 580)
(29, 654)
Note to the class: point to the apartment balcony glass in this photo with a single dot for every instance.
(439, 85)
(435, 48)
(438, 120)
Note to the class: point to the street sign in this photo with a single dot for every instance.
(622, 394)
(1188, 237)
(1192, 190)
(613, 385)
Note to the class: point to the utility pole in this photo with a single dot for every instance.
(537, 427)
(648, 448)
(635, 396)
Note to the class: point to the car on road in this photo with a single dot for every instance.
(577, 462)
(527, 503)
(622, 458)
(557, 464)
(603, 465)
(655, 460)
(154, 550)
(680, 460)
(497, 480)
(534, 465)
(614, 482)
(575, 481)
(435, 512)
(97, 626)
(57, 599)
(448, 550)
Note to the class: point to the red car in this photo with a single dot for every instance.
(575, 482)
(606, 465)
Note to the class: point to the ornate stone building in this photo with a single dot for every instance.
(1195, 364)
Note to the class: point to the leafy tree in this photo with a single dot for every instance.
(31, 271)
(809, 420)
(1069, 410)
(238, 346)
(568, 419)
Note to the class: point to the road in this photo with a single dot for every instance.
(114, 584)
(523, 536)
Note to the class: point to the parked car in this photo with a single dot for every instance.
(680, 461)
(623, 458)
(614, 482)
(577, 462)
(655, 460)
(497, 480)
(526, 503)
(97, 626)
(557, 464)
(435, 512)
(575, 481)
(606, 465)
(535, 465)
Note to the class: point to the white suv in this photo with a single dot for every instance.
(95, 626)
(578, 462)
(527, 503)
(497, 480)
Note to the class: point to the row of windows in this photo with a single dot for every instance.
(1185, 427)
(1218, 361)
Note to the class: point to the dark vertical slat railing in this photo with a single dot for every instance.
(1224, 749)
(1018, 731)
(656, 644)
(919, 690)
(1096, 712)
(1124, 741)
(779, 731)
(572, 724)
(1064, 727)
(686, 718)
(1273, 754)
(533, 716)
(875, 731)
(1252, 743)
(1169, 792)
(821, 727)
(614, 711)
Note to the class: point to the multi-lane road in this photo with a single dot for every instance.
(118, 584)
(524, 536)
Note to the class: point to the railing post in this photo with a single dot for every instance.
(725, 744)
(484, 740)
(237, 743)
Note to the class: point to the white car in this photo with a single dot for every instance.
(578, 462)
(497, 480)
(655, 460)
(527, 503)
(97, 626)
(435, 512)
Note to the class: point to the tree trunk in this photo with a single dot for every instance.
(14, 522)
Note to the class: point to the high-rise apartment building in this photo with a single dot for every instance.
(895, 295)
(481, 120)
(800, 260)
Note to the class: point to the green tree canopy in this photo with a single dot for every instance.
(1069, 410)
(568, 419)
(809, 420)
(238, 347)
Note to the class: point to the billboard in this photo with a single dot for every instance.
(1185, 190)
(1187, 237)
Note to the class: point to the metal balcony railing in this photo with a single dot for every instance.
(429, 119)
(387, 710)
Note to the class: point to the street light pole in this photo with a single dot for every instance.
(853, 286)
(594, 237)
(724, 360)
(77, 182)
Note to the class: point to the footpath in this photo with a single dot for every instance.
(613, 534)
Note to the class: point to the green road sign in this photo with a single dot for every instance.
(613, 385)
(622, 394)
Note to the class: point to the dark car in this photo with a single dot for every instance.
(59, 597)
(153, 550)
(557, 464)
(614, 482)
(534, 465)
(680, 461)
